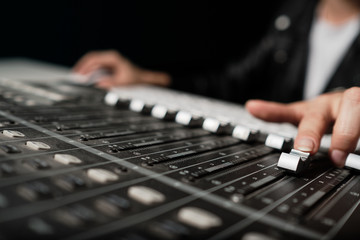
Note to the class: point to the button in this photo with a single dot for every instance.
(37, 145)
(161, 112)
(244, 133)
(295, 161)
(211, 124)
(256, 236)
(66, 159)
(40, 226)
(187, 119)
(137, 105)
(75, 216)
(111, 99)
(70, 182)
(145, 195)
(36, 164)
(198, 218)
(34, 190)
(6, 169)
(215, 126)
(4, 202)
(101, 175)
(9, 148)
(168, 229)
(112, 205)
(13, 134)
(279, 142)
(353, 161)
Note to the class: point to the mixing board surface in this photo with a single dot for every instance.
(77, 163)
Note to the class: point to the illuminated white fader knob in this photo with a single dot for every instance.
(66, 159)
(13, 134)
(245, 133)
(188, 119)
(215, 126)
(353, 161)
(101, 175)
(111, 99)
(161, 112)
(278, 142)
(137, 105)
(198, 218)
(37, 145)
(146, 195)
(294, 162)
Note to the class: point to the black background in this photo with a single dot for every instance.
(163, 35)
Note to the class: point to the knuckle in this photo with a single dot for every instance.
(353, 94)
(345, 141)
(317, 117)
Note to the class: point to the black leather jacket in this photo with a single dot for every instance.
(275, 69)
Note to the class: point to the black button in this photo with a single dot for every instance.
(37, 163)
(70, 182)
(9, 148)
(6, 168)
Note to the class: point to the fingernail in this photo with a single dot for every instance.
(338, 157)
(305, 145)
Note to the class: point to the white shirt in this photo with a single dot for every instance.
(328, 45)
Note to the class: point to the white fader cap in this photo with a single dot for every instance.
(295, 161)
(353, 161)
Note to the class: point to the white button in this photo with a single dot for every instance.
(244, 133)
(353, 161)
(101, 175)
(211, 125)
(66, 159)
(136, 105)
(12, 134)
(145, 195)
(288, 161)
(275, 141)
(198, 218)
(159, 111)
(37, 145)
(183, 118)
(111, 99)
(256, 236)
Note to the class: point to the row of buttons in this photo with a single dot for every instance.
(33, 145)
(217, 125)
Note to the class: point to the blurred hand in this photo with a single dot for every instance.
(340, 110)
(122, 71)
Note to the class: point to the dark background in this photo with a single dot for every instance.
(163, 35)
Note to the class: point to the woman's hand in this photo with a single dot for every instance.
(122, 71)
(339, 110)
